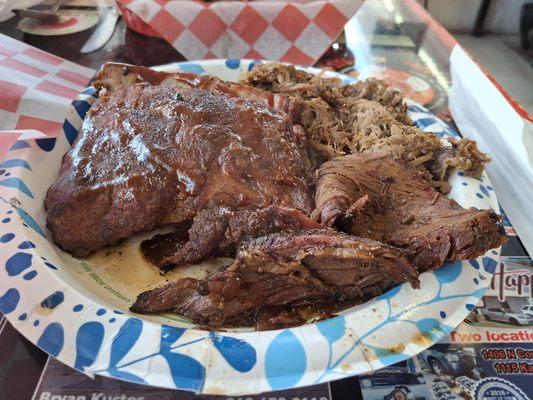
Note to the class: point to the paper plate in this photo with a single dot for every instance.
(77, 310)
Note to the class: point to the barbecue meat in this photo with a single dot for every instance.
(365, 116)
(281, 271)
(151, 155)
(216, 232)
(373, 196)
(114, 76)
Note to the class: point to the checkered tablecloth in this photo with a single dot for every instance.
(36, 89)
(293, 31)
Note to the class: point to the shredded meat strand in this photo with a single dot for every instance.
(366, 116)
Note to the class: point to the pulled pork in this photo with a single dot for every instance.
(366, 116)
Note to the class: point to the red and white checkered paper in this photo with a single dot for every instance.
(293, 31)
(36, 89)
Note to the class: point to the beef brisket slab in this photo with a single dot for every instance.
(373, 196)
(277, 272)
(216, 232)
(161, 148)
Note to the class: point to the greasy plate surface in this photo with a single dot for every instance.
(77, 310)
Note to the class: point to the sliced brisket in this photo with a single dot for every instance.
(373, 196)
(216, 232)
(277, 272)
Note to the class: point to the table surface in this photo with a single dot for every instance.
(390, 39)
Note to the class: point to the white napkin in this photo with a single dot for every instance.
(483, 113)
